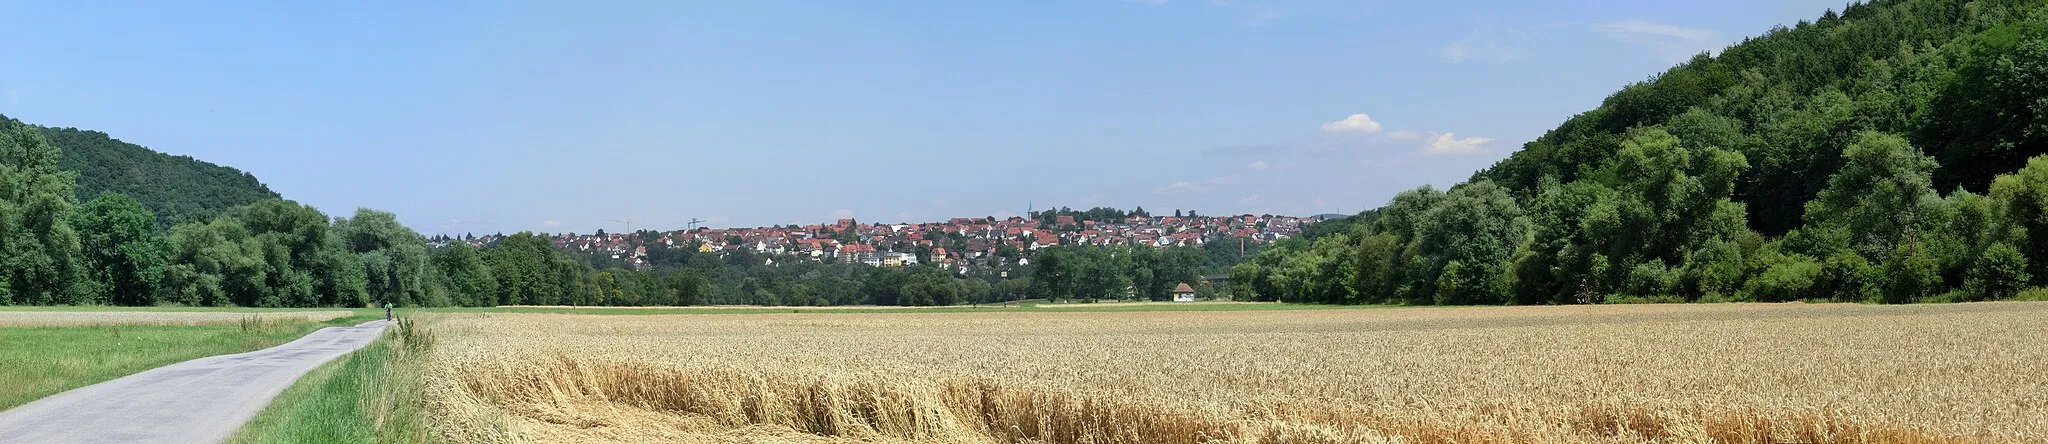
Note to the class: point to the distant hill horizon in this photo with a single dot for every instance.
(177, 188)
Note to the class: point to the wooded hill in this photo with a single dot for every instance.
(1874, 153)
(176, 188)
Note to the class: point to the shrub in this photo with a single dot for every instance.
(1909, 274)
(1999, 273)
(1791, 280)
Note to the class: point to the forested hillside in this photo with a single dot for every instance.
(1879, 153)
(176, 188)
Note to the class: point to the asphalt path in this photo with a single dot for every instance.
(198, 401)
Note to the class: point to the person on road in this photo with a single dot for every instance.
(387, 311)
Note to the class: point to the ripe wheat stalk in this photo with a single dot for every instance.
(1725, 374)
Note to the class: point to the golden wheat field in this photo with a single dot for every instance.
(1734, 373)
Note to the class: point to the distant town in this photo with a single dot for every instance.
(960, 243)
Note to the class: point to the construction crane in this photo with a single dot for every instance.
(693, 223)
(628, 222)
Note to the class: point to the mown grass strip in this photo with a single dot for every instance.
(371, 395)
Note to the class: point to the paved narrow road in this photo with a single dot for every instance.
(198, 401)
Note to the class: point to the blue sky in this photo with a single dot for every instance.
(488, 117)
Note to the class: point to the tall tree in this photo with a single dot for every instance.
(469, 278)
(1883, 195)
(396, 257)
(37, 245)
(124, 252)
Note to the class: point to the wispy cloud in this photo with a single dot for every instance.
(1185, 187)
(551, 223)
(1672, 42)
(841, 213)
(1486, 45)
(1449, 143)
(1258, 165)
(1355, 123)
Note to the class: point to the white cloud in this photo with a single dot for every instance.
(1484, 45)
(1669, 41)
(841, 213)
(1449, 143)
(1355, 123)
(1259, 165)
(551, 223)
(1252, 199)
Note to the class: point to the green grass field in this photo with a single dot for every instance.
(176, 309)
(44, 361)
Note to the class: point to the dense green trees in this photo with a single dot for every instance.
(268, 253)
(38, 248)
(469, 279)
(176, 188)
(1090, 273)
(123, 251)
(1804, 164)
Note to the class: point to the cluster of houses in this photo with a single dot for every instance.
(959, 242)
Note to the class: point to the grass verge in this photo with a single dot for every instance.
(43, 361)
(372, 395)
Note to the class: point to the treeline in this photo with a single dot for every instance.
(1801, 165)
(1121, 272)
(526, 270)
(111, 250)
(1098, 214)
(278, 253)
